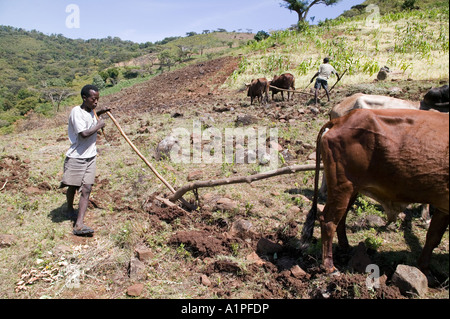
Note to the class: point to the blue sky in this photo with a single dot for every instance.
(152, 20)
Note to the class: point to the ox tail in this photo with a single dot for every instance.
(308, 227)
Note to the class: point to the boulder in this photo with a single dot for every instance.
(410, 280)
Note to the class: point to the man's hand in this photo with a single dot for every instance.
(103, 111)
(100, 124)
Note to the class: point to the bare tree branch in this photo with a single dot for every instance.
(241, 179)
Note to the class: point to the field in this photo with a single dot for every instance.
(242, 241)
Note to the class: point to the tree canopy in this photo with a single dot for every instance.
(302, 7)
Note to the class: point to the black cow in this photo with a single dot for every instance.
(436, 98)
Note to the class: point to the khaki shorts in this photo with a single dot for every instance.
(79, 171)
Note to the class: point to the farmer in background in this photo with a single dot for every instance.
(325, 71)
(80, 162)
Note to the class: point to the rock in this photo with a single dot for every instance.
(164, 147)
(410, 280)
(314, 110)
(298, 273)
(225, 204)
(137, 270)
(144, 254)
(242, 229)
(195, 176)
(374, 221)
(294, 210)
(254, 258)
(268, 247)
(246, 120)
(135, 290)
(360, 259)
(7, 240)
(204, 280)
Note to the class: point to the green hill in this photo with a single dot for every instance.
(395, 6)
(414, 44)
(41, 71)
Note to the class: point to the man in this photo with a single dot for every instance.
(325, 71)
(80, 162)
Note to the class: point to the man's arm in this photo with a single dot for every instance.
(315, 75)
(93, 130)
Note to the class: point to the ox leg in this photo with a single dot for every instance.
(341, 229)
(438, 226)
(333, 213)
(323, 188)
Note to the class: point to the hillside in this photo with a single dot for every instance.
(413, 44)
(41, 72)
(395, 6)
(242, 242)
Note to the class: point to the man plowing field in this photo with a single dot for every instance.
(80, 162)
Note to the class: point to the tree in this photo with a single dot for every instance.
(302, 7)
(261, 35)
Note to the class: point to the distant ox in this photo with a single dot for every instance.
(258, 88)
(285, 81)
(396, 157)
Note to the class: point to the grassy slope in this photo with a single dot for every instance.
(414, 45)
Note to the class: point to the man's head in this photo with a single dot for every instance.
(90, 96)
(326, 60)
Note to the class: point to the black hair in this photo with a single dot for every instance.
(85, 91)
(326, 60)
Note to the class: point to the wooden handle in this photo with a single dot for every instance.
(140, 154)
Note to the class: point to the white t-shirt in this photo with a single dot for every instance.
(325, 71)
(79, 121)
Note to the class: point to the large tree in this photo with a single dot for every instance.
(302, 7)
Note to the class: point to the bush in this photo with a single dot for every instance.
(261, 35)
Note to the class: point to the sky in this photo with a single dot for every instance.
(153, 20)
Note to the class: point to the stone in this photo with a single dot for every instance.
(298, 272)
(254, 258)
(225, 204)
(241, 228)
(246, 120)
(7, 240)
(137, 269)
(375, 221)
(164, 147)
(410, 280)
(294, 210)
(135, 290)
(195, 176)
(143, 254)
(204, 280)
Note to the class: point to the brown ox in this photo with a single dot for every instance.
(258, 88)
(396, 157)
(373, 102)
(285, 81)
